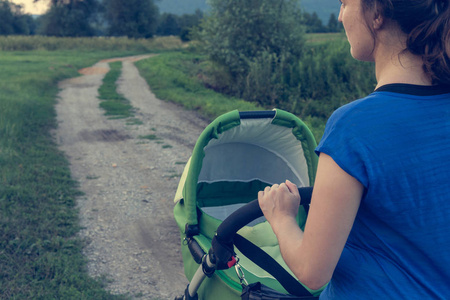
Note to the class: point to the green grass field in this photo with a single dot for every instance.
(173, 76)
(28, 43)
(321, 38)
(40, 255)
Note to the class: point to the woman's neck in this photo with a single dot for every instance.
(401, 71)
(395, 65)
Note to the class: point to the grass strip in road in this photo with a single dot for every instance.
(114, 104)
(40, 253)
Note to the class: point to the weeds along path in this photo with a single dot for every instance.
(128, 181)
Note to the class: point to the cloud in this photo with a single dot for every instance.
(29, 7)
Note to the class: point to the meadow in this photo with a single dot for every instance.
(174, 76)
(115, 44)
(315, 39)
(40, 254)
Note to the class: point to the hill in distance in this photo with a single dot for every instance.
(323, 8)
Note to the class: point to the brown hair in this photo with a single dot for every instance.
(427, 25)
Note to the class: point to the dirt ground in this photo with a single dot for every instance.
(128, 182)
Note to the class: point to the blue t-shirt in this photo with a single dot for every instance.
(397, 145)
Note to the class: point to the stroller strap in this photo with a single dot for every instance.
(270, 265)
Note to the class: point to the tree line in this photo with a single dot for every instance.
(313, 24)
(132, 18)
(12, 21)
(85, 18)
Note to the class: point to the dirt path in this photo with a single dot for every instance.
(128, 182)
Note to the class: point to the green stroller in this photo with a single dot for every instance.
(229, 250)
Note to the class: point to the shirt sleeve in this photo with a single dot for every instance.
(345, 143)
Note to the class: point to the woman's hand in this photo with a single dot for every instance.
(279, 203)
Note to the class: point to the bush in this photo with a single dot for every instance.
(328, 77)
(312, 87)
(241, 33)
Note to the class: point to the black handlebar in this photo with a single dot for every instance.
(248, 213)
(257, 114)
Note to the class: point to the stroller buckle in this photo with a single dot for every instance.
(240, 273)
(232, 262)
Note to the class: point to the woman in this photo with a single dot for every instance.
(379, 221)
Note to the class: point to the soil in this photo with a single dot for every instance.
(128, 181)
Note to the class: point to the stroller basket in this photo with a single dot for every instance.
(237, 155)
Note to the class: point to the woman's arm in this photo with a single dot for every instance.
(313, 255)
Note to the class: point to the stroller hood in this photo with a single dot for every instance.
(235, 149)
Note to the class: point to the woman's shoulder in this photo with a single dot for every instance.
(394, 97)
(360, 108)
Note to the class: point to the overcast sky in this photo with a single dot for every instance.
(32, 8)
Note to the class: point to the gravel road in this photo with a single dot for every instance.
(128, 182)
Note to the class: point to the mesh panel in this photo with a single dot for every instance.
(252, 155)
(245, 162)
(256, 149)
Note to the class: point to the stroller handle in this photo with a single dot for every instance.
(259, 114)
(248, 213)
(221, 252)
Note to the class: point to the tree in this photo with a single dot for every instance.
(12, 20)
(7, 17)
(333, 24)
(168, 25)
(132, 18)
(70, 18)
(237, 32)
(313, 23)
(188, 22)
(171, 24)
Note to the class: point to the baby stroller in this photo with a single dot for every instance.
(237, 155)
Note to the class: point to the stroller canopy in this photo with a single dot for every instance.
(236, 152)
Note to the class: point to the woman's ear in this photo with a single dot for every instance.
(377, 21)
